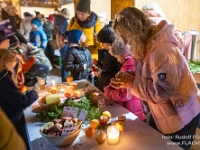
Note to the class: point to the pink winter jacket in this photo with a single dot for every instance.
(166, 83)
(120, 95)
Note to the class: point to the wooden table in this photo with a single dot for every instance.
(137, 134)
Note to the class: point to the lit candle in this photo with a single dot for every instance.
(77, 92)
(53, 89)
(113, 135)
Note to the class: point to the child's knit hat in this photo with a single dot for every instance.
(118, 47)
(36, 21)
(106, 35)
(83, 6)
(74, 36)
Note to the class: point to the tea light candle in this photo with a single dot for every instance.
(113, 135)
(62, 90)
(53, 89)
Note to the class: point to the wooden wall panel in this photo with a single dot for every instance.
(99, 6)
(185, 14)
(118, 5)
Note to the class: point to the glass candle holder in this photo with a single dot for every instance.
(53, 90)
(113, 135)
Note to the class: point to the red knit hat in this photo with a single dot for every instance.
(51, 18)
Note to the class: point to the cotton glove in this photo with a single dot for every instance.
(122, 80)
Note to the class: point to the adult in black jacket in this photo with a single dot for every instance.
(78, 59)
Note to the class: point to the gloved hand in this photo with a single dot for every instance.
(122, 80)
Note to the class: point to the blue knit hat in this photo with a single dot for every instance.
(74, 36)
(36, 21)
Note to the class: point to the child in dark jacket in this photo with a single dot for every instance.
(12, 101)
(78, 59)
(110, 65)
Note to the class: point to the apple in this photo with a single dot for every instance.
(57, 126)
(101, 137)
(52, 133)
(45, 132)
(75, 120)
(48, 126)
(68, 122)
(103, 120)
(67, 95)
(57, 121)
(75, 95)
(59, 132)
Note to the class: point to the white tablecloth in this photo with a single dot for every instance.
(137, 134)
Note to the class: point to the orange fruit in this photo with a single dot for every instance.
(94, 123)
(23, 89)
(69, 77)
(107, 114)
(89, 131)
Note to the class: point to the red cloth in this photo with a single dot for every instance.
(28, 64)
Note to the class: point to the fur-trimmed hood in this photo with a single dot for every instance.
(165, 34)
(59, 18)
(61, 23)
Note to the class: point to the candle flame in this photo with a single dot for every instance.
(53, 82)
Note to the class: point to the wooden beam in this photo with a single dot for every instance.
(63, 2)
(43, 5)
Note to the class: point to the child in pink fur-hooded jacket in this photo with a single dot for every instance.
(123, 96)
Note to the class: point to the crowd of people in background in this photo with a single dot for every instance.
(132, 58)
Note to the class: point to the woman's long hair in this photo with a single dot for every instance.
(135, 28)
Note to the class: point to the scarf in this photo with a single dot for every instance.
(91, 21)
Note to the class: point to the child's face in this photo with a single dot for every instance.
(106, 46)
(82, 16)
(83, 38)
(119, 58)
(94, 61)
